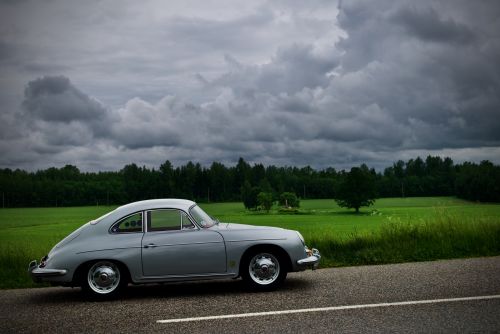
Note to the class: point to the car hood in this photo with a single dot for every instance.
(242, 232)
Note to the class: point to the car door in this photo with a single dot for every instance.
(173, 246)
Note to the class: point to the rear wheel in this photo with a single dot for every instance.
(263, 270)
(103, 279)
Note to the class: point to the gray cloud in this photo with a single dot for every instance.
(433, 84)
(427, 24)
(275, 82)
(54, 99)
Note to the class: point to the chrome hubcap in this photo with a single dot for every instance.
(104, 277)
(264, 268)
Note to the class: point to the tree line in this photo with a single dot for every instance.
(68, 186)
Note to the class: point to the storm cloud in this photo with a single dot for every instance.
(288, 83)
(54, 99)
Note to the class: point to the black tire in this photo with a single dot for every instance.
(103, 279)
(263, 270)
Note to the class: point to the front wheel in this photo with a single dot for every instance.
(263, 271)
(103, 279)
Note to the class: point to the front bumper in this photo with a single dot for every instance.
(312, 261)
(41, 274)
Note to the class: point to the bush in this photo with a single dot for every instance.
(289, 210)
(265, 200)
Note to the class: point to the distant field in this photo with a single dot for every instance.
(324, 217)
(393, 230)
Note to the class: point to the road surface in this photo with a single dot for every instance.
(441, 296)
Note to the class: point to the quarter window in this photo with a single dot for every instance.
(186, 223)
(131, 223)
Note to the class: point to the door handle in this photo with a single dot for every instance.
(150, 246)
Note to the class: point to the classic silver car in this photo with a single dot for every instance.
(170, 240)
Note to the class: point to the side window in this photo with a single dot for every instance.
(131, 223)
(164, 220)
(186, 223)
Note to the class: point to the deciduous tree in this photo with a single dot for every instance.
(357, 189)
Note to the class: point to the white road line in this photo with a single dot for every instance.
(331, 308)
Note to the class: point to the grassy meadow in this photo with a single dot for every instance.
(393, 230)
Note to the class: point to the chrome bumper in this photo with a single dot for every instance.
(312, 260)
(38, 273)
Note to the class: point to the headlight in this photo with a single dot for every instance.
(43, 261)
(301, 238)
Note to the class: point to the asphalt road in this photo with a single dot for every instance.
(49, 310)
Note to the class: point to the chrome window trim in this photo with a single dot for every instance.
(190, 220)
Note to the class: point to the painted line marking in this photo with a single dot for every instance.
(331, 308)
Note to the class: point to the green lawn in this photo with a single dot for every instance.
(393, 230)
(326, 218)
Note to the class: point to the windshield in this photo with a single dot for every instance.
(201, 217)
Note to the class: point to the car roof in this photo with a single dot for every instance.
(171, 203)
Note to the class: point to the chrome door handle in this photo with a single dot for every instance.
(150, 246)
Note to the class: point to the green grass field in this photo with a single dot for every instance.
(393, 230)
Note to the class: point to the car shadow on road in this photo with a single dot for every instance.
(164, 291)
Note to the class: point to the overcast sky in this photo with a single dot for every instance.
(100, 84)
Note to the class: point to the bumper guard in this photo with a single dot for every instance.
(312, 260)
(38, 273)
